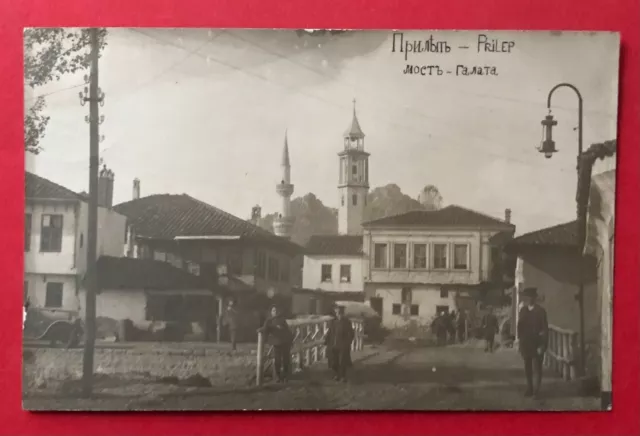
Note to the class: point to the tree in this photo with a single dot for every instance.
(50, 53)
(430, 198)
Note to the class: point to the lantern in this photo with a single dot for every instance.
(548, 145)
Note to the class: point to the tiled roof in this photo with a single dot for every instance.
(37, 187)
(346, 245)
(165, 216)
(130, 273)
(450, 216)
(562, 235)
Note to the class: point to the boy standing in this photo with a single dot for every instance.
(338, 341)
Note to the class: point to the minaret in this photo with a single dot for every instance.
(353, 183)
(283, 224)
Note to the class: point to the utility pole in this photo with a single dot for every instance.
(95, 98)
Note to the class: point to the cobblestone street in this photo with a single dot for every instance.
(448, 378)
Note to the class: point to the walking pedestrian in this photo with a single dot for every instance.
(533, 335)
(231, 321)
(338, 342)
(439, 328)
(461, 326)
(278, 335)
(490, 330)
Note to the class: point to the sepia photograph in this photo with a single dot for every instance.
(264, 219)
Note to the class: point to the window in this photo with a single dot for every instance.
(396, 309)
(439, 256)
(53, 297)
(342, 201)
(51, 234)
(420, 256)
(345, 273)
(284, 272)
(27, 232)
(444, 293)
(160, 255)
(274, 269)
(415, 310)
(406, 296)
(380, 256)
(399, 255)
(355, 199)
(460, 256)
(354, 169)
(174, 260)
(193, 268)
(326, 273)
(442, 309)
(261, 264)
(81, 240)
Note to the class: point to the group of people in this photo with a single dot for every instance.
(450, 327)
(338, 341)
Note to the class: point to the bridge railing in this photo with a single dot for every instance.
(562, 353)
(307, 348)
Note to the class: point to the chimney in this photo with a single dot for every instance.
(105, 187)
(507, 216)
(256, 214)
(136, 189)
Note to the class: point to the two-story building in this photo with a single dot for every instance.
(212, 243)
(55, 233)
(420, 263)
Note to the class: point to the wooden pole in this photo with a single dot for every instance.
(92, 231)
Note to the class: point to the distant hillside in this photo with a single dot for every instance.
(314, 218)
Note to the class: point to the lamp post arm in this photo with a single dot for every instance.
(580, 111)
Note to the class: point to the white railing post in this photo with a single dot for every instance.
(260, 358)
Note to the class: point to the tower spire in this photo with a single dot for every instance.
(354, 131)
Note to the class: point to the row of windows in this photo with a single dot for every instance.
(439, 256)
(50, 233)
(414, 309)
(326, 274)
(266, 267)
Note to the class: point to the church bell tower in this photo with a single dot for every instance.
(353, 181)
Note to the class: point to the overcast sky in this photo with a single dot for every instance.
(204, 112)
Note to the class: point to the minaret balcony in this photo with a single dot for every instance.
(284, 189)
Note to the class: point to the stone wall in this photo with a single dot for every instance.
(44, 366)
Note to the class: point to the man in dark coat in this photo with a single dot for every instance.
(490, 329)
(278, 334)
(533, 334)
(440, 329)
(461, 326)
(231, 319)
(338, 341)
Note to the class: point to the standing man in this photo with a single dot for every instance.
(278, 335)
(533, 333)
(231, 321)
(461, 325)
(490, 329)
(338, 341)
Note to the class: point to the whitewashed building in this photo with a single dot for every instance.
(420, 263)
(55, 240)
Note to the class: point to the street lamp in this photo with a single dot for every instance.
(548, 147)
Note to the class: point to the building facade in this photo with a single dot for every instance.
(211, 243)
(353, 179)
(55, 246)
(421, 263)
(334, 263)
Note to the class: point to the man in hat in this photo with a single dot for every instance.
(338, 342)
(231, 319)
(533, 334)
(278, 334)
(490, 328)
